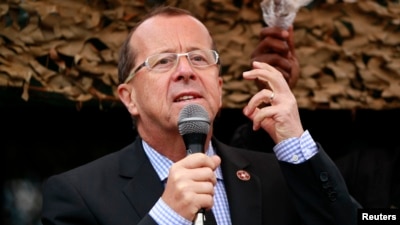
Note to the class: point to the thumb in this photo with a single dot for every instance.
(217, 161)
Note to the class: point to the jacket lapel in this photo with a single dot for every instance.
(244, 196)
(144, 187)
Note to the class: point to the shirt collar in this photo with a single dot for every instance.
(162, 164)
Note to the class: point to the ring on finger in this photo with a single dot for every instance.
(271, 98)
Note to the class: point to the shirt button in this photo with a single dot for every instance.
(295, 158)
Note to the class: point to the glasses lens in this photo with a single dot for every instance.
(162, 62)
(201, 58)
(165, 61)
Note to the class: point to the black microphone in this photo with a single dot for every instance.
(194, 125)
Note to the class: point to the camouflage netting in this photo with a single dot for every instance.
(349, 52)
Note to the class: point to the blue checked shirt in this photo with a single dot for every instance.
(292, 150)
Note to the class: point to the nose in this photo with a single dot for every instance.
(184, 69)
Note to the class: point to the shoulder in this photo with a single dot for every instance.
(100, 167)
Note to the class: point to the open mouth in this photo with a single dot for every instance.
(186, 98)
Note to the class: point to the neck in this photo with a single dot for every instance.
(170, 144)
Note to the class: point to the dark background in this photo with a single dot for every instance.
(44, 136)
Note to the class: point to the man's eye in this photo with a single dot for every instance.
(163, 62)
(198, 58)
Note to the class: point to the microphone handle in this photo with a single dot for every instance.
(199, 220)
(195, 144)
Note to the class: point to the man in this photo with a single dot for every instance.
(168, 61)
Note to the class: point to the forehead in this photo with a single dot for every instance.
(164, 33)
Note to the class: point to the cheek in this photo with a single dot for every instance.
(143, 93)
(149, 91)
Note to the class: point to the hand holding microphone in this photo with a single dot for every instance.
(191, 181)
(194, 125)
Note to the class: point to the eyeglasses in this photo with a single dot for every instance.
(163, 62)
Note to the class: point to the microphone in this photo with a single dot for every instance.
(193, 125)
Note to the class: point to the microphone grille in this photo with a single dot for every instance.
(193, 118)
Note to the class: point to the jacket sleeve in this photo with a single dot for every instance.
(319, 191)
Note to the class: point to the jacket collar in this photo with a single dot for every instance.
(144, 187)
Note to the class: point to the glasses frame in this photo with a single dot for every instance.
(178, 56)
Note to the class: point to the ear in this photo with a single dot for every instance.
(127, 96)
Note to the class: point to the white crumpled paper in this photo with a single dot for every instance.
(281, 13)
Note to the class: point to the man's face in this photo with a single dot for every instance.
(158, 97)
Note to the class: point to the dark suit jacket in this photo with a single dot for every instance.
(122, 187)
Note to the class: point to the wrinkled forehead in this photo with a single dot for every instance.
(166, 33)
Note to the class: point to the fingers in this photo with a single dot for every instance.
(255, 109)
(271, 44)
(261, 98)
(277, 61)
(201, 160)
(274, 108)
(268, 74)
(190, 184)
(196, 167)
(275, 39)
(291, 40)
(276, 48)
(275, 32)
